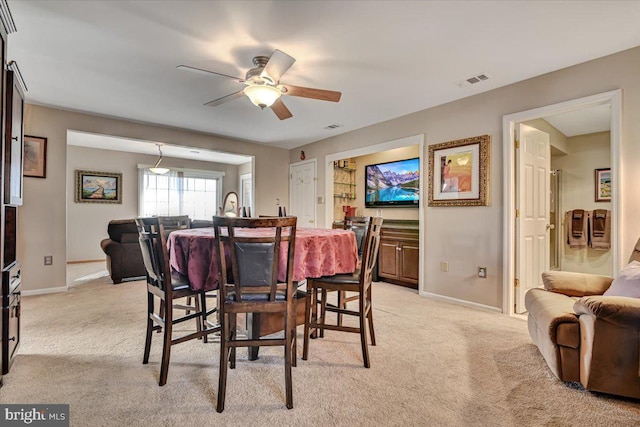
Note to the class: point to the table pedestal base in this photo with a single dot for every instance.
(262, 324)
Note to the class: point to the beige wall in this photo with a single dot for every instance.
(87, 222)
(557, 139)
(585, 154)
(42, 219)
(472, 237)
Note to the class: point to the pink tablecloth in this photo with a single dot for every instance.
(319, 252)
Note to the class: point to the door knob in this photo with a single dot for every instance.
(550, 226)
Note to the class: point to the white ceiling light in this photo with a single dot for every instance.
(262, 96)
(155, 168)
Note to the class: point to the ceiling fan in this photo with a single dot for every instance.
(262, 85)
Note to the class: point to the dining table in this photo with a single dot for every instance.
(318, 252)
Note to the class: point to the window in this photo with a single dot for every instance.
(180, 192)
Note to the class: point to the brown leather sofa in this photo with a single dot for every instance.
(585, 336)
(124, 257)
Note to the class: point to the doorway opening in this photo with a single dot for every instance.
(513, 252)
(416, 140)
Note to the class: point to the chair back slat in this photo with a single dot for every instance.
(169, 223)
(254, 246)
(175, 222)
(359, 225)
(370, 250)
(153, 245)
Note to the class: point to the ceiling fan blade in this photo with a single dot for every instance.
(207, 72)
(281, 110)
(278, 64)
(231, 97)
(307, 92)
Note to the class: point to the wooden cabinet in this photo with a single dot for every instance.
(399, 253)
(10, 314)
(12, 189)
(12, 108)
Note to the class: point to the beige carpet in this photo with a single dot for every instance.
(435, 364)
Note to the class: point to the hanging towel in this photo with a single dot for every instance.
(577, 222)
(577, 225)
(600, 229)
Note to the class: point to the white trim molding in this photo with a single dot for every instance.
(614, 99)
(45, 291)
(464, 303)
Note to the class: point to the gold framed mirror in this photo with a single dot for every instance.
(230, 205)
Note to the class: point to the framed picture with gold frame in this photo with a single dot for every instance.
(459, 172)
(98, 187)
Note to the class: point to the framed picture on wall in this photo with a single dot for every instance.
(35, 156)
(98, 187)
(459, 172)
(603, 185)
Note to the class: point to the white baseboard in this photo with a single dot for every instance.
(461, 302)
(45, 291)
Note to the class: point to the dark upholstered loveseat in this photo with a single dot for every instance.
(124, 257)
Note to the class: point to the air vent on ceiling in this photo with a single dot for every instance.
(475, 79)
(333, 126)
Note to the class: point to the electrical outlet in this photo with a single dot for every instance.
(444, 266)
(48, 260)
(482, 272)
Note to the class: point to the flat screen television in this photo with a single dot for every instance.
(393, 184)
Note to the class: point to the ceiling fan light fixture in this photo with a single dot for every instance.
(262, 96)
(156, 169)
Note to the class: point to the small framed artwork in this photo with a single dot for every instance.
(603, 185)
(35, 156)
(98, 187)
(459, 172)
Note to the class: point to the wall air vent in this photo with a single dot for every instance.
(333, 126)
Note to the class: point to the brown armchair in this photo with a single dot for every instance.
(585, 333)
(124, 257)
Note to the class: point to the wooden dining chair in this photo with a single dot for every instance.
(201, 223)
(359, 282)
(255, 286)
(172, 223)
(359, 225)
(167, 286)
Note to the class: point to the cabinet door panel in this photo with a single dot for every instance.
(410, 262)
(387, 261)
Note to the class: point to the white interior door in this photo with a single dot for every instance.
(532, 201)
(302, 190)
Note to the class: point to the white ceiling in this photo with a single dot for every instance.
(388, 58)
(583, 122)
(85, 139)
